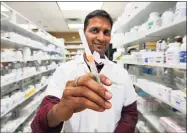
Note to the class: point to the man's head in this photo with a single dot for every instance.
(97, 28)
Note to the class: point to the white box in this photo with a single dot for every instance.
(178, 98)
(170, 124)
(164, 92)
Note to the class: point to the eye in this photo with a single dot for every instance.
(107, 33)
(94, 30)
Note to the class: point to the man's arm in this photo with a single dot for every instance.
(129, 117)
(40, 123)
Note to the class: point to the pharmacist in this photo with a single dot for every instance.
(76, 103)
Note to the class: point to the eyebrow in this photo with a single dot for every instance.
(109, 30)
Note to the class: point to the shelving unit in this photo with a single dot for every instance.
(157, 34)
(3, 16)
(43, 59)
(71, 54)
(24, 77)
(10, 43)
(144, 88)
(154, 118)
(10, 26)
(18, 122)
(74, 47)
(39, 41)
(141, 14)
(23, 100)
(178, 66)
(124, 38)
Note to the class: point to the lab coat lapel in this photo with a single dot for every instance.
(82, 64)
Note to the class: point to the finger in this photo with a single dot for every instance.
(70, 83)
(83, 91)
(85, 103)
(94, 86)
(103, 79)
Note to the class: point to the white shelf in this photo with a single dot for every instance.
(74, 47)
(18, 122)
(141, 14)
(179, 66)
(154, 118)
(173, 29)
(4, 16)
(24, 77)
(140, 85)
(10, 26)
(71, 54)
(32, 60)
(22, 101)
(10, 43)
(69, 58)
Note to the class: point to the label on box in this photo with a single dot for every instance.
(183, 56)
(30, 93)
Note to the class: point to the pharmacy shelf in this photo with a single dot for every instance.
(143, 87)
(173, 29)
(154, 117)
(154, 120)
(24, 77)
(44, 59)
(71, 54)
(12, 27)
(11, 43)
(142, 14)
(73, 47)
(4, 16)
(177, 66)
(20, 120)
(23, 100)
(141, 131)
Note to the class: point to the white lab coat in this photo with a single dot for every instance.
(123, 94)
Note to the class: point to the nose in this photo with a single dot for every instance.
(101, 37)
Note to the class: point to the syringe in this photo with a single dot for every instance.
(89, 56)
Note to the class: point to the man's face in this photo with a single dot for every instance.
(98, 34)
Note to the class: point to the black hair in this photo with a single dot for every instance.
(97, 13)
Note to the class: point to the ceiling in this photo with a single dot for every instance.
(49, 17)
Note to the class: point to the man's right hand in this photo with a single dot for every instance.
(87, 95)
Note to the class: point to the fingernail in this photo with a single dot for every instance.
(108, 105)
(108, 94)
(108, 81)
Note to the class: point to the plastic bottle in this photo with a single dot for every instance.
(154, 20)
(167, 17)
(180, 11)
(172, 53)
(183, 51)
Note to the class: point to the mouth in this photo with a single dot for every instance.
(99, 46)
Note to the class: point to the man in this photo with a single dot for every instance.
(77, 102)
